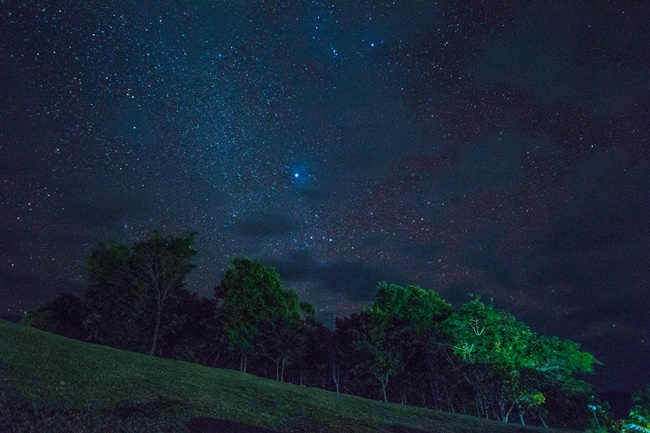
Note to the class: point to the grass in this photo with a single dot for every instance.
(53, 384)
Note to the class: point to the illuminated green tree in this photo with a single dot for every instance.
(412, 312)
(506, 363)
(638, 421)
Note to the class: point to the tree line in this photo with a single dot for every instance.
(408, 346)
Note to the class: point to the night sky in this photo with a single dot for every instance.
(494, 148)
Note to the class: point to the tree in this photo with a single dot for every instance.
(190, 330)
(566, 404)
(160, 265)
(373, 351)
(258, 317)
(368, 352)
(414, 318)
(282, 336)
(116, 307)
(506, 363)
(130, 287)
(390, 340)
(638, 421)
(321, 359)
(308, 328)
(495, 347)
(347, 361)
(64, 315)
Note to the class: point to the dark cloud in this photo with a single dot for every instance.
(592, 250)
(603, 229)
(353, 281)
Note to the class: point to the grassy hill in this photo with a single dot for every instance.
(50, 383)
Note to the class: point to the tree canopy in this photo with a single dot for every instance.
(258, 316)
(130, 286)
(638, 421)
(507, 364)
(409, 345)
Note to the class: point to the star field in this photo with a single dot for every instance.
(479, 147)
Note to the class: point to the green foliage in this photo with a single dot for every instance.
(483, 335)
(636, 422)
(401, 323)
(159, 267)
(411, 342)
(641, 401)
(560, 358)
(639, 418)
(130, 287)
(411, 312)
(410, 304)
(408, 345)
(258, 317)
(372, 343)
(508, 364)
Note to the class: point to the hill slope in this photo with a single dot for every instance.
(50, 383)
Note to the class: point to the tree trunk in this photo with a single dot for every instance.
(507, 415)
(384, 382)
(303, 377)
(541, 418)
(156, 329)
(216, 358)
(336, 378)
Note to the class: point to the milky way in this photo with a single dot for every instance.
(481, 147)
